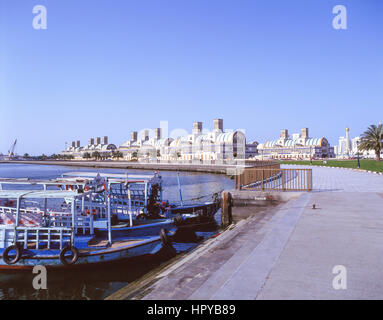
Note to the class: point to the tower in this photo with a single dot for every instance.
(218, 125)
(348, 149)
(305, 133)
(145, 135)
(197, 127)
(284, 134)
(133, 136)
(157, 133)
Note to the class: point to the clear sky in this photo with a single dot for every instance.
(109, 67)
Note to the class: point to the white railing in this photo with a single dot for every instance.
(35, 238)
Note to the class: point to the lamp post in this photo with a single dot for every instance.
(357, 154)
(311, 160)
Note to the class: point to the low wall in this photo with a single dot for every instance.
(221, 169)
(241, 204)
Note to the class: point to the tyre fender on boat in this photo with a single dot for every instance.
(64, 259)
(165, 239)
(17, 257)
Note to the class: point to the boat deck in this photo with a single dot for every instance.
(94, 243)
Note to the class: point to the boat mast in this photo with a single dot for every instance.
(179, 187)
(108, 195)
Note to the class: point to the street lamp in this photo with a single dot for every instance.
(311, 160)
(357, 154)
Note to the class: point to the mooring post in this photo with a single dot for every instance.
(226, 204)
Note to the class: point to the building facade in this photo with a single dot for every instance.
(200, 145)
(299, 147)
(98, 144)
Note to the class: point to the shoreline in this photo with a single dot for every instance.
(206, 168)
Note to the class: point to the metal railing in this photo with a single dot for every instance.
(274, 179)
(35, 238)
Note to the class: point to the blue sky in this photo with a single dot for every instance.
(110, 67)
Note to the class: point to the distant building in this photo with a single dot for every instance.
(301, 146)
(344, 148)
(354, 149)
(98, 144)
(217, 144)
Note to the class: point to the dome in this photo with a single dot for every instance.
(226, 137)
(314, 142)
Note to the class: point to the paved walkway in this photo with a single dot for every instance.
(346, 230)
(343, 180)
(290, 251)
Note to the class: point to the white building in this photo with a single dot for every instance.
(199, 145)
(354, 149)
(349, 147)
(98, 144)
(300, 147)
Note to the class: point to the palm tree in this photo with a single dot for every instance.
(86, 155)
(372, 139)
(96, 155)
(117, 155)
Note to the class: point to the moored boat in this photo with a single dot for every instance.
(66, 237)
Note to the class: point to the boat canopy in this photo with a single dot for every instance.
(117, 176)
(58, 181)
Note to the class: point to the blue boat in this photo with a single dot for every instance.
(128, 217)
(140, 198)
(58, 238)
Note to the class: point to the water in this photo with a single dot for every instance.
(100, 282)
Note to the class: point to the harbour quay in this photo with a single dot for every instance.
(292, 249)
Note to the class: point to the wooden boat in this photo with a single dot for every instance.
(64, 238)
(98, 191)
(142, 196)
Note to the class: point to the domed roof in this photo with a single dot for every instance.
(203, 138)
(226, 137)
(164, 142)
(295, 142)
(314, 142)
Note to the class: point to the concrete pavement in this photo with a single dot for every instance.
(289, 252)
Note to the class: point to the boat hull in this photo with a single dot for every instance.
(51, 259)
(152, 228)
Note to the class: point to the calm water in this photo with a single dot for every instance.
(100, 282)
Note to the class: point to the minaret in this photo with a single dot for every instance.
(348, 149)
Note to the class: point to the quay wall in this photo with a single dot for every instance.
(207, 168)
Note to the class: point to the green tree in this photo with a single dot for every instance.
(372, 139)
(86, 155)
(105, 155)
(117, 154)
(42, 157)
(96, 155)
(26, 155)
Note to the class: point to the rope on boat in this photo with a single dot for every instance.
(215, 196)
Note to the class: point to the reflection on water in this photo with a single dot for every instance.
(99, 282)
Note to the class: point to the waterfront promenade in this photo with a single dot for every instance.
(228, 169)
(289, 251)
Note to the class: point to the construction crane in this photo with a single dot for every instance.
(11, 151)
